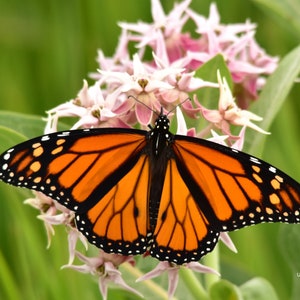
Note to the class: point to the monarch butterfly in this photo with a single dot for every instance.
(134, 191)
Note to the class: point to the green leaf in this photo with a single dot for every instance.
(9, 287)
(209, 96)
(289, 244)
(9, 137)
(28, 126)
(224, 290)
(208, 72)
(273, 96)
(258, 289)
(285, 12)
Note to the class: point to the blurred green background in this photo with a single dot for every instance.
(46, 49)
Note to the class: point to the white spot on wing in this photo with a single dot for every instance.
(45, 138)
(255, 160)
(65, 133)
(6, 156)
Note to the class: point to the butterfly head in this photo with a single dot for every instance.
(160, 134)
(162, 123)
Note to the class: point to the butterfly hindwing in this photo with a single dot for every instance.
(182, 232)
(118, 222)
(101, 174)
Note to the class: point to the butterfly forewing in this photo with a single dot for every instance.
(238, 189)
(70, 166)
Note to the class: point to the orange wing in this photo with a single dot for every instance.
(182, 231)
(119, 221)
(234, 189)
(209, 188)
(101, 174)
(132, 190)
(73, 166)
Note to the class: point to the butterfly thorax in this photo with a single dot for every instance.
(160, 135)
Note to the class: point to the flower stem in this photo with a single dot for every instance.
(193, 283)
(212, 260)
(156, 291)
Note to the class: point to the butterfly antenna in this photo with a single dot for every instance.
(179, 104)
(139, 101)
(161, 110)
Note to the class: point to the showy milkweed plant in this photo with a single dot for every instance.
(222, 70)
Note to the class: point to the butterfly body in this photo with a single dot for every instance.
(159, 140)
(134, 191)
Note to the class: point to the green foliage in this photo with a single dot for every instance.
(224, 290)
(208, 71)
(258, 289)
(47, 48)
(287, 13)
(274, 95)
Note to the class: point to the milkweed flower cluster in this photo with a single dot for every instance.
(165, 78)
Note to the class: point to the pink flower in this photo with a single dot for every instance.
(144, 83)
(50, 213)
(229, 112)
(120, 60)
(129, 91)
(169, 25)
(246, 61)
(172, 271)
(105, 266)
(225, 238)
(90, 107)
